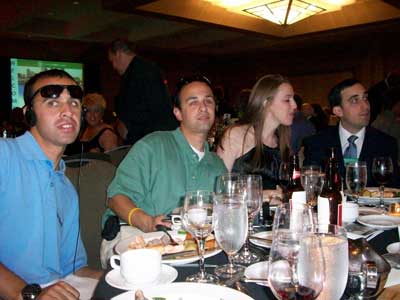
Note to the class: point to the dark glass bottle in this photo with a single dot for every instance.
(295, 178)
(330, 197)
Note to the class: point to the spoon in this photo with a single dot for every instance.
(164, 229)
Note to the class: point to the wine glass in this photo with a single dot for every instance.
(294, 217)
(230, 229)
(382, 170)
(197, 219)
(229, 183)
(336, 255)
(253, 197)
(284, 177)
(296, 265)
(356, 178)
(312, 180)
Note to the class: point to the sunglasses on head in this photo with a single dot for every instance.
(54, 91)
(186, 80)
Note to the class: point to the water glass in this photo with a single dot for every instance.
(336, 255)
(230, 229)
(356, 178)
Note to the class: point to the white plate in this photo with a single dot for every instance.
(263, 235)
(167, 275)
(375, 200)
(379, 221)
(258, 270)
(122, 246)
(393, 248)
(188, 291)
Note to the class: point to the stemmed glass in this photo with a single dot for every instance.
(229, 183)
(312, 180)
(294, 218)
(382, 170)
(253, 195)
(296, 265)
(230, 228)
(197, 219)
(356, 178)
(284, 177)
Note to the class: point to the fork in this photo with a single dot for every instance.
(164, 229)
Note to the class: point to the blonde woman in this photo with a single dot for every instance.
(97, 136)
(259, 141)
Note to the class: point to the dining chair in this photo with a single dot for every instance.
(117, 154)
(91, 180)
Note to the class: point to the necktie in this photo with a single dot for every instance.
(351, 150)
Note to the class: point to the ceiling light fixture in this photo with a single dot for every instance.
(283, 12)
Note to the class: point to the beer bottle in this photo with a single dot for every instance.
(330, 198)
(294, 185)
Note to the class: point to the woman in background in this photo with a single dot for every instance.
(97, 136)
(259, 141)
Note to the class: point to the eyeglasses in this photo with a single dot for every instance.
(54, 91)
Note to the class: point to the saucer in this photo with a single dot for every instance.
(393, 248)
(258, 270)
(168, 274)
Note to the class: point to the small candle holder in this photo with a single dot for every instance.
(394, 209)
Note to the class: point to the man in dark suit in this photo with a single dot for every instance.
(352, 137)
(143, 103)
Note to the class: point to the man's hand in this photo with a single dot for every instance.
(148, 223)
(59, 291)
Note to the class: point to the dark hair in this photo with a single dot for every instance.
(335, 94)
(28, 92)
(121, 45)
(185, 81)
(391, 97)
(298, 100)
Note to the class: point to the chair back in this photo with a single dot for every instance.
(91, 178)
(117, 154)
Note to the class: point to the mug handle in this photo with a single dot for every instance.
(113, 263)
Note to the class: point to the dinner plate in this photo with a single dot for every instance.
(187, 291)
(115, 279)
(122, 246)
(258, 270)
(379, 221)
(375, 200)
(262, 235)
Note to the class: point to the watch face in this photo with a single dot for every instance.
(31, 291)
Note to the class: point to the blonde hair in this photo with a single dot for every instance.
(95, 99)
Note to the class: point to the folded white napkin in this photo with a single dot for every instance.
(393, 278)
(84, 285)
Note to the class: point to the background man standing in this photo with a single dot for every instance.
(143, 103)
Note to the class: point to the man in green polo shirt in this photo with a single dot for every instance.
(161, 167)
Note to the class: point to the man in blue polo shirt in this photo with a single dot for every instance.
(39, 212)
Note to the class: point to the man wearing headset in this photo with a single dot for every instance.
(39, 212)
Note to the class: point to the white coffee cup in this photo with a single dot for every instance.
(349, 212)
(139, 266)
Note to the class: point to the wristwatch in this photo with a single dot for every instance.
(31, 291)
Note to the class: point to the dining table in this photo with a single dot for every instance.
(379, 243)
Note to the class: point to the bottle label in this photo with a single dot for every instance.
(296, 174)
(340, 215)
(323, 210)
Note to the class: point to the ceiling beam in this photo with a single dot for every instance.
(395, 3)
(124, 5)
